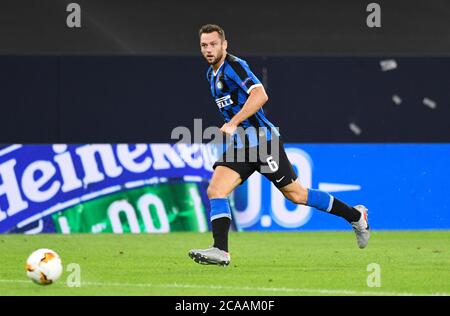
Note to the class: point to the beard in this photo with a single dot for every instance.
(215, 60)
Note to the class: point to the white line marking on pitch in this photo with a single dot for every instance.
(247, 288)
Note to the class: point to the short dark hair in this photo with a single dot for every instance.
(210, 28)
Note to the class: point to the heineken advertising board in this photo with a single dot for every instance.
(94, 188)
(160, 188)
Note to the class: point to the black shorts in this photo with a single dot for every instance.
(274, 165)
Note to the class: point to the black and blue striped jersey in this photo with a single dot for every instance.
(230, 87)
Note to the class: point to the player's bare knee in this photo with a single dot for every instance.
(214, 192)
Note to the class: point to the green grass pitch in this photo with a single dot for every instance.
(275, 263)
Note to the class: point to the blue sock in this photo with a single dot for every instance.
(320, 200)
(219, 208)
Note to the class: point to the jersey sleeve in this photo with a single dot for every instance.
(240, 72)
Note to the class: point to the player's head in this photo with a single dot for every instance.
(213, 44)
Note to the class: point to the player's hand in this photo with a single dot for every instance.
(228, 128)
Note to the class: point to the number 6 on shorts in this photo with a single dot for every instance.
(272, 164)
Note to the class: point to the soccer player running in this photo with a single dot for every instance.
(240, 97)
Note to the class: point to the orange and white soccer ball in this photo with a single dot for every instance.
(44, 266)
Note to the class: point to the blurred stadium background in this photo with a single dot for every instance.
(364, 113)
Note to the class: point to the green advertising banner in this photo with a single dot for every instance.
(159, 208)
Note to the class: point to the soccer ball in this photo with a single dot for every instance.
(44, 266)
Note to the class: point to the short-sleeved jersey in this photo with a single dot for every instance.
(230, 88)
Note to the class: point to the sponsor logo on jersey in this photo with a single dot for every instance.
(224, 101)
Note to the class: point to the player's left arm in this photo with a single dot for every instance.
(257, 95)
(256, 99)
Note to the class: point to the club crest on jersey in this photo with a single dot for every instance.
(224, 101)
(219, 85)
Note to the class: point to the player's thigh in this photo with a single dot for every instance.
(223, 182)
(295, 192)
(276, 167)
